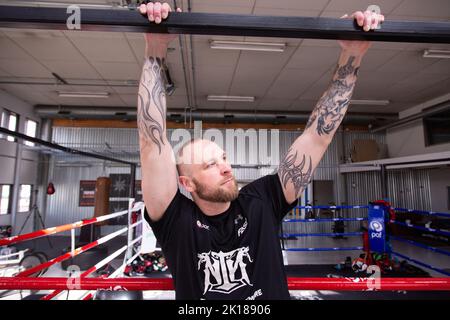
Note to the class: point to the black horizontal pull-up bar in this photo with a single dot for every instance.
(124, 20)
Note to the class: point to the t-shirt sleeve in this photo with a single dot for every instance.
(171, 219)
(269, 189)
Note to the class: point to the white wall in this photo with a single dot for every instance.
(409, 140)
(24, 109)
(8, 149)
(28, 173)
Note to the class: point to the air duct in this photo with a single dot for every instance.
(129, 113)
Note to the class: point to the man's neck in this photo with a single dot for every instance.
(211, 208)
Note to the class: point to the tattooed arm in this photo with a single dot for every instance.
(297, 167)
(158, 169)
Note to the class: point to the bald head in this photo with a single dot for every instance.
(205, 172)
(194, 153)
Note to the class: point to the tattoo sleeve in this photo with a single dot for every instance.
(297, 167)
(151, 117)
(298, 174)
(332, 106)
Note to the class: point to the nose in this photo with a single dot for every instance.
(225, 168)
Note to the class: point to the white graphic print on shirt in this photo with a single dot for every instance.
(220, 270)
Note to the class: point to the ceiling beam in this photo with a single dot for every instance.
(125, 20)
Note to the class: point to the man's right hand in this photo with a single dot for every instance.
(156, 12)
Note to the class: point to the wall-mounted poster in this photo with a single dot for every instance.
(87, 193)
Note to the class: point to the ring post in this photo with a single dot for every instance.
(72, 241)
(130, 229)
(377, 229)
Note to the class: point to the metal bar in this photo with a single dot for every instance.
(123, 20)
(444, 233)
(336, 284)
(326, 249)
(130, 230)
(383, 179)
(325, 220)
(132, 193)
(333, 207)
(422, 264)
(431, 213)
(347, 234)
(16, 187)
(420, 245)
(60, 147)
(72, 241)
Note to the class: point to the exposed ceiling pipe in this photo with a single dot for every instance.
(129, 113)
(185, 74)
(191, 43)
(78, 82)
(427, 112)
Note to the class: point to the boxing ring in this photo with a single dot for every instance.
(88, 284)
(385, 221)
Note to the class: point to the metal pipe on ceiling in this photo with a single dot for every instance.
(52, 112)
(122, 20)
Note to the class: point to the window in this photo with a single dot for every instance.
(437, 128)
(30, 130)
(5, 196)
(25, 198)
(10, 121)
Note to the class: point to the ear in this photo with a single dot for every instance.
(186, 182)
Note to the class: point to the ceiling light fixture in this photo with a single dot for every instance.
(231, 98)
(83, 94)
(370, 102)
(252, 46)
(436, 53)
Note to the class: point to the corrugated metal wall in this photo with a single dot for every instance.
(349, 137)
(410, 189)
(406, 188)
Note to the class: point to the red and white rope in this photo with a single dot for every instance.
(69, 254)
(117, 272)
(91, 270)
(65, 227)
(335, 284)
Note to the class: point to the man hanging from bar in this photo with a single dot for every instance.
(224, 244)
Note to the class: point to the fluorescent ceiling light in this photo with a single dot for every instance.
(370, 102)
(83, 94)
(252, 46)
(231, 98)
(432, 53)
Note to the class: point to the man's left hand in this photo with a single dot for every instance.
(368, 20)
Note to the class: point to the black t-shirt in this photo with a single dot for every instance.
(233, 255)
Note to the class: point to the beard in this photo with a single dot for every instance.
(220, 194)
